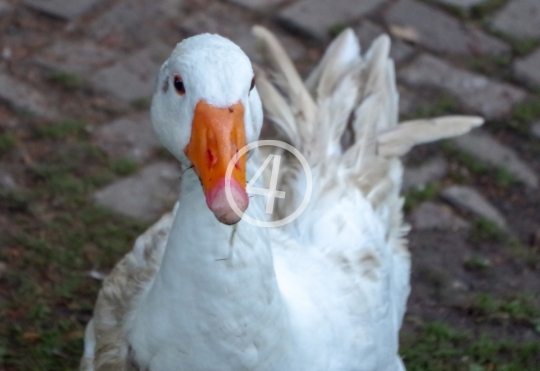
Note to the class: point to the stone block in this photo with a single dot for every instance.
(519, 19)
(428, 172)
(442, 33)
(137, 22)
(487, 149)
(317, 17)
(528, 69)
(131, 137)
(76, 57)
(257, 4)
(468, 199)
(433, 216)
(231, 23)
(488, 97)
(4, 7)
(134, 77)
(145, 195)
(463, 4)
(66, 9)
(22, 97)
(368, 31)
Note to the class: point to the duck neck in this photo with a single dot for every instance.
(216, 288)
(215, 260)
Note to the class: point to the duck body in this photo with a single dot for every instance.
(247, 298)
(203, 290)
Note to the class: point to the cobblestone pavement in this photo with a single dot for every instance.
(81, 173)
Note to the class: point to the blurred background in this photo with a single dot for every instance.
(81, 174)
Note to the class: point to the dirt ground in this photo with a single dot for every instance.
(475, 300)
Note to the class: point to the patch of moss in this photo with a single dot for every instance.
(524, 47)
(486, 8)
(524, 113)
(501, 176)
(142, 103)
(67, 80)
(438, 347)
(124, 166)
(337, 28)
(477, 264)
(485, 230)
(7, 143)
(518, 308)
(418, 195)
(61, 129)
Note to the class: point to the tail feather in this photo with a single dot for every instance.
(400, 140)
(349, 92)
(287, 78)
(341, 55)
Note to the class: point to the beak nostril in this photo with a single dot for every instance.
(231, 110)
(211, 158)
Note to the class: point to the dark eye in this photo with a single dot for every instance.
(179, 85)
(252, 84)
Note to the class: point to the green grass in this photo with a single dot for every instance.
(336, 29)
(437, 347)
(477, 264)
(524, 47)
(142, 104)
(485, 230)
(57, 234)
(524, 113)
(518, 308)
(486, 8)
(60, 129)
(418, 195)
(124, 166)
(501, 176)
(65, 79)
(7, 143)
(523, 253)
(498, 65)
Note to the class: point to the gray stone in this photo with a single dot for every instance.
(430, 215)
(429, 172)
(440, 32)
(484, 147)
(67, 9)
(131, 137)
(145, 195)
(535, 129)
(519, 18)
(22, 97)
(528, 68)
(490, 98)
(470, 200)
(134, 77)
(231, 23)
(368, 31)
(463, 4)
(4, 7)
(257, 4)
(317, 17)
(134, 21)
(79, 58)
(407, 101)
(7, 181)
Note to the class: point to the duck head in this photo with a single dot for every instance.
(205, 109)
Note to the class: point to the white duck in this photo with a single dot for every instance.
(326, 292)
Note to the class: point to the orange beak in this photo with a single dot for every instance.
(216, 135)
